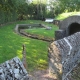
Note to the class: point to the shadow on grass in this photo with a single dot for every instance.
(11, 46)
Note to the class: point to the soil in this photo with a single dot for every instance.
(41, 75)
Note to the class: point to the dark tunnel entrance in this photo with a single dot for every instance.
(73, 28)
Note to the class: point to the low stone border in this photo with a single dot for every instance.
(25, 26)
(19, 29)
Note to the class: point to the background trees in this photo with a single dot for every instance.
(9, 10)
(12, 10)
(65, 5)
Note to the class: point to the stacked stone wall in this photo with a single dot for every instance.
(13, 70)
(64, 56)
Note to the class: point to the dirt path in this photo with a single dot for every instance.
(41, 75)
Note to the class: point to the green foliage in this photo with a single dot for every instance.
(23, 11)
(61, 6)
(39, 1)
(12, 10)
(8, 10)
(70, 5)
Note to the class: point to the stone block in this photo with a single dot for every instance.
(59, 34)
(13, 70)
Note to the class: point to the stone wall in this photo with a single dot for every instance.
(19, 29)
(65, 26)
(66, 22)
(13, 70)
(64, 56)
(28, 26)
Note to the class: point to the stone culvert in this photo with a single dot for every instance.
(68, 27)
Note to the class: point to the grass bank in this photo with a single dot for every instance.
(67, 14)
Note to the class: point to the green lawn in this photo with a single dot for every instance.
(11, 46)
(43, 31)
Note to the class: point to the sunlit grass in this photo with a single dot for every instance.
(43, 32)
(11, 46)
(65, 15)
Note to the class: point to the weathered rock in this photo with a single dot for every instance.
(64, 55)
(13, 70)
(59, 34)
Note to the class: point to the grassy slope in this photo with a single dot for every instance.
(11, 46)
(65, 15)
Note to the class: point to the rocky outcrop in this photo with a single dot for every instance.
(64, 56)
(13, 70)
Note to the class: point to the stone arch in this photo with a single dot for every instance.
(68, 27)
(73, 28)
(68, 21)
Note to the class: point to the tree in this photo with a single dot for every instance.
(65, 5)
(23, 11)
(8, 10)
(70, 5)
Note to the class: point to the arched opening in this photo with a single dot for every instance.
(73, 28)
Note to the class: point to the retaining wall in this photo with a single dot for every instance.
(19, 29)
(64, 56)
(26, 26)
(13, 70)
